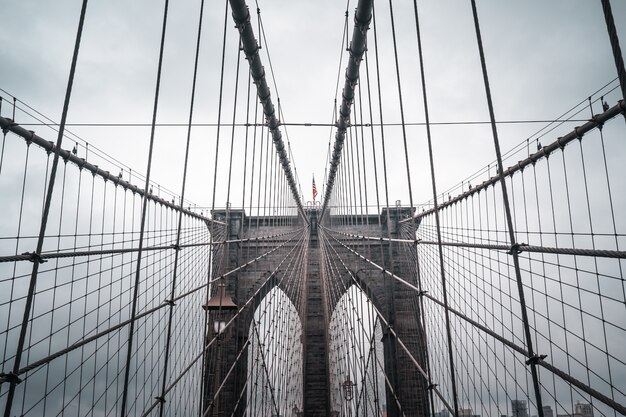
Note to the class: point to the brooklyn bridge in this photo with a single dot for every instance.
(166, 251)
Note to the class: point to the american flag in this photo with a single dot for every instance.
(314, 189)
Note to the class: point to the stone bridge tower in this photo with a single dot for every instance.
(399, 306)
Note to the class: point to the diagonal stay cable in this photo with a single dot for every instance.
(520, 247)
(383, 321)
(44, 218)
(227, 325)
(293, 260)
(29, 256)
(78, 344)
(563, 375)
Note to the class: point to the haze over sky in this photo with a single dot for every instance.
(543, 58)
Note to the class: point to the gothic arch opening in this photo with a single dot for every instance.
(356, 357)
(274, 375)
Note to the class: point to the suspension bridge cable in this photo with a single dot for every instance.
(333, 118)
(245, 156)
(232, 137)
(292, 261)
(306, 124)
(340, 288)
(401, 103)
(145, 313)
(43, 120)
(143, 218)
(551, 125)
(46, 210)
(228, 324)
(567, 239)
(566, 376)
(382, 318)
(615, 47)
(544, 151)
(241, 16)
(210, 288)
(106, 175)
(362, 19)
(389, 284)
(182, 198)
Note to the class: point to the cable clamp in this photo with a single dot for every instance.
(598, 123)
(160, 399)
(170, 303)
(363, 26)
(35, 257)
(175, 247)
(516, 248)
(11, 378)
(48, 151)
(422, 293)
(534, 360)
(241, 25)
(431, 387)
(5, 129)
(579, 135)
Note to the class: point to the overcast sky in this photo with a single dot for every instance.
(543, 58)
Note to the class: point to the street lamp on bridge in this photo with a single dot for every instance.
(220, 308)
(348, 389)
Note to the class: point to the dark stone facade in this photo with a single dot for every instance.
(398, 305)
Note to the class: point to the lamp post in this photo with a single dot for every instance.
(219, 307)
(348, 393)
(220, 302)
(348, 389)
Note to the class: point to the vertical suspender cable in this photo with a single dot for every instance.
(357, 48)
(232, 137)
(144, 210)
(44, 218)
(406, 151)
(245, 156)
(388, 283)
(219, 111)
(532, 358)
(213, 262)
(437, 222)
(241, 16)
(161, 398)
